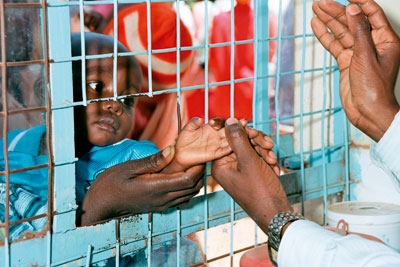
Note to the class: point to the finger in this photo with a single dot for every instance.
(333, 9)
(333, 16)
(183, 201)
(184, 182)
(268, 155)
(328, 41)
(374, 13)
(243, 122)
(153, 163)
(194, 124)
(178, 198)
(239, 142)
(379, 44)
(277, 169)
(360, 28)
(253, 133)
(216, 123)
(258, 138)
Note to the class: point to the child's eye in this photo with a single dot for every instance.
(127, 101)
(96, 86)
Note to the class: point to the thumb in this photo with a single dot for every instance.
(361, 30)
(154, 163)
(239, 142)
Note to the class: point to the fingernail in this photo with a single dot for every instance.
(353, 10)
(166, 151)
(230, 121)
(272, 154)
(268, 139)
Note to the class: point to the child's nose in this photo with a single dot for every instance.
(112, 106)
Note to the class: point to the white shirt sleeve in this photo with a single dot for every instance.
(306, 243)
(385, 153)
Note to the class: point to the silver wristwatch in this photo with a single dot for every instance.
(275, 229)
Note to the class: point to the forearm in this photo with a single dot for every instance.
(262, 206)
(95, 207)
(264, 220)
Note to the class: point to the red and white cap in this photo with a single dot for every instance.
(132, 32)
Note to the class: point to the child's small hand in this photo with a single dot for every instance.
(199, 143)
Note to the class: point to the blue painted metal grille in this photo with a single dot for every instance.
(294, 99)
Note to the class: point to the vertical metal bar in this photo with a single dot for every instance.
(115, 56)
(261, 50)
(5, 122)
(301, 115)
(261, 86)
(232, 62)
(232, 224)
(117, 242)
(206, 226)
(6, 252)
(341, 122)
(347, 160)
(117, 253)
(278, 73)
(50, 187)
(149, 238)
(48, 249)
(206, 115)
(206, 56)
(149, 48)
(88, 255)
(178, 60)
(323, 149)
(178, 236)
(232, 113)
(83, 52)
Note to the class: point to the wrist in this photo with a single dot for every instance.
(380, 122)
(92, 212)
(276, 228)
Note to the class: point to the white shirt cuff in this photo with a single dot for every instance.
(385, 153)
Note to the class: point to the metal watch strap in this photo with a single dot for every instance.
(275, 228)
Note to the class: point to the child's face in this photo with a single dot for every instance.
(109, 122)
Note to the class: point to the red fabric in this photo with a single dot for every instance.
(220, 62)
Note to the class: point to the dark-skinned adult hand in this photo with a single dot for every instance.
(367, 50)
(137, 186)
(248, 178)
(263, 145)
